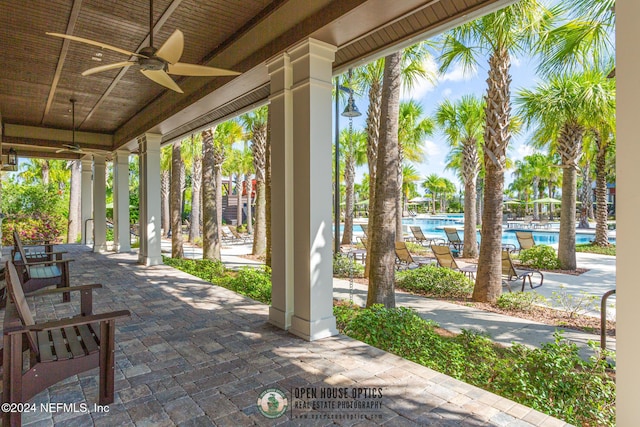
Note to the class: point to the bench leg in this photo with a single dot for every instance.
(107, 362)
(12, 377)
(66, 296)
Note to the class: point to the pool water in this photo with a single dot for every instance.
(434, 227)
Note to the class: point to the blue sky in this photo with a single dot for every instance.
(453, 85)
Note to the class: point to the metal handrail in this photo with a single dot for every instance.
(603, 318)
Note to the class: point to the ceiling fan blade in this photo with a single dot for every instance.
(107, 67)
(95, 43)
(182, 69)
(162, 78)
(171, 50)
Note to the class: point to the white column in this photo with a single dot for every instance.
(99, 204)
(627, 205)
(281, 123)
(86, 202)
(150, 243)
(313, 318)
(121, 224)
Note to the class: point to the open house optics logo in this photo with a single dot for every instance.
(273, 403)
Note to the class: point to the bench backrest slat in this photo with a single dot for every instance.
(17, 296)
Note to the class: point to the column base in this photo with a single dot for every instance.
(100, 248)
(149, 261)
(279, 318)
(316, 330)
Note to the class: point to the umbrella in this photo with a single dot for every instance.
(547, 200)
(420, 199)
(512, 202)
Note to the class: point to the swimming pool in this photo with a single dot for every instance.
(434, 226)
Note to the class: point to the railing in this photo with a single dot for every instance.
(603, 318)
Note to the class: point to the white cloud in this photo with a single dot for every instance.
(521, 151)
(458, 74)
(431, 148)
(515, 62)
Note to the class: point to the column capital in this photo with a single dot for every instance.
(149, 142)
(312, 47)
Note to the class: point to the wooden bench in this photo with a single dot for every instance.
(35, 252)
(35, 275)
(56, 349)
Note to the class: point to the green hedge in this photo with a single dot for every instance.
(552, 379)
(435, 282)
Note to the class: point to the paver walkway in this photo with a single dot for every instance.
(194, 354)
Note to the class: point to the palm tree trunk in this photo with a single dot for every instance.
(601, 238)
(165, 183)
(470, 249)
(259, 237)
(399, 211)
(488, 284)
(196, 190)
(176, 202)
(267, 190)
(536, 191)
(570, 148)
(373, 137)
(479, 199)
(74, 202)
(585, 195)
(382, 219)
(349, 177)
(210, 232)
(249, 182)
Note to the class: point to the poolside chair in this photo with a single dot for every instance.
(525, 240)
(445, 259)
(244, 238)
(404, 259)
(543, 223)
(455, 241)
(511, 274)
(527, 222)
(419, 237)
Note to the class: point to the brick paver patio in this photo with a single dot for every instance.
(194, 354)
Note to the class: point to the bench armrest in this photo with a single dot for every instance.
(72, 321)
(65, 289)
(53, 261)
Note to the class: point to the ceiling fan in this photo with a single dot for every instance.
(155, 64)
(74, 147)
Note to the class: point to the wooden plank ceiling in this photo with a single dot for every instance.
(39, 73)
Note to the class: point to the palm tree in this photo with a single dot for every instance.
(165, 184)
(370, 77)
(382, 217)
(210, 180)
(412, 129)
(562, 110)
(463, 124)
(255, 124)
(584, 41)
(498, 35)
(226, 135)
(432, 184)
(353, 146)
(195, 154)
(176, 201)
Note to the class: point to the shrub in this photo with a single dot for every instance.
(32, 228)
(254, 283)
(553, 379)
(346, 267)
(435, 282)
(519, 301)
(205, 269)
(541, 257)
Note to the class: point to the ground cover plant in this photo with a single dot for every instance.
(596, 249)
(435, 282)
(542, 257)
(553, 379)
(254, 283)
